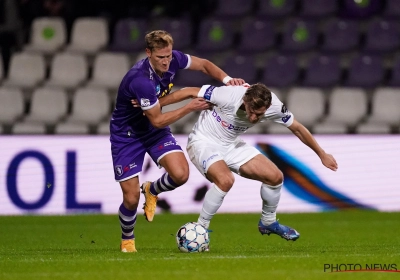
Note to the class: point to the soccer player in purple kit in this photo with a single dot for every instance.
(139, 130)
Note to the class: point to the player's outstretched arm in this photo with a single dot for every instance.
(160, 120)
(306, 137)
(209, 68)
(179, 95)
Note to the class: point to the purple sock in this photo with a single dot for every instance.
(127, 221)
(163, 184)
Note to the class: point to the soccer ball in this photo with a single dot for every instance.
(192, 238)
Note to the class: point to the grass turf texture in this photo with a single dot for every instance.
(87, 247)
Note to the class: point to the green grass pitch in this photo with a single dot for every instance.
(87, 247)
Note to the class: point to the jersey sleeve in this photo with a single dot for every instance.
(183, 60)
(219, 96)
(145, 93)
(278, 112)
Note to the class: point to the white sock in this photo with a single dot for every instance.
(270, 196)
(212, 201)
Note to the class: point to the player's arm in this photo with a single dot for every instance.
(306, 137)
(209, 68)
(179, 95)
(160, 120)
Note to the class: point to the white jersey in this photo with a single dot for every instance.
(225, 122)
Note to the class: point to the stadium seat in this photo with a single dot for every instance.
(215, 35)
(48, 35)
(27, 70)
(306, 104)
(233, 8)
(381, 36)
(330, 128)
(392, 9)
(89, 106)
(274, 128)
(257, 36)
(186, 78)
(28, 128)
(89, 35)
(109, 69)
(385, 107)
(11, 105)
(318, 8)
(280, 71)
(180, 29)
(299, 35)
(322, 71)
(275, 9)
(394, 80)
(48, 106)
(68, 70)
(340, 35)
(241, 66)
(360, 9)
(128, 35)
(104, 128)
(373, 128)
(347, 107)
(72, 128)
(365, 71)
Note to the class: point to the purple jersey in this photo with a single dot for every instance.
(143, 84)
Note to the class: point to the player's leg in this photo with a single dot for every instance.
(260, 168)
(208, 159)
(128, 161)
(223, 180)
(171, 157)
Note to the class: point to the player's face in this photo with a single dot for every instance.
(160, 59)
(254, 115)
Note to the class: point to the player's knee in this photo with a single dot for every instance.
(225, 182)
(180, 177)
(131, 200)
(275, 179)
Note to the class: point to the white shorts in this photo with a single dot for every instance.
(203, 154)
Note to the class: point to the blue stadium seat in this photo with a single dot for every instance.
(215, 35)
(233, 8)
(275, 9)
(257, 36)
(381, 36)
(365, 71)
(340, 35)
(318, 8)
(128, 35)
(322, 71)
(280, 71)
(240, 66)
(180, 29)
(299, 35)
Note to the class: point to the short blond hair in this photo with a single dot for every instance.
(158, 39)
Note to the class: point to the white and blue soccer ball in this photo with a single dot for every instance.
(192, 238)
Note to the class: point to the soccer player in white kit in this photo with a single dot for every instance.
(215, 148)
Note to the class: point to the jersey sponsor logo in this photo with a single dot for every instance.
(167, 91)
(227, 125)
(286, 118)
(144, 102)
(118, 170)
(208, 93)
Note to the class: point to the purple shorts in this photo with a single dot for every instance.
(128, 155)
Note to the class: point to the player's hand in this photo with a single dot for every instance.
(235, 82)
(329, 161)
(135, 103)
(199, 104)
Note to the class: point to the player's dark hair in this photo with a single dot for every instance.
(158, 39)
(258, 96)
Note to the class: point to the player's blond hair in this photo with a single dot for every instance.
(158, 39)
(258, 96)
